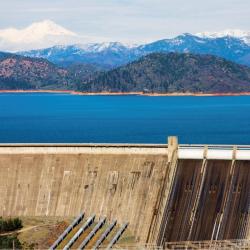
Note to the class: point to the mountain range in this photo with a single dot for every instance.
(63, 47)
(204, 62)
(241, 34)
(114, 54)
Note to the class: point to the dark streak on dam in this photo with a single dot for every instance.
(166, 193)
(209, 200)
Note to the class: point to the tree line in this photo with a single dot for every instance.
(10, 242)
(10, 224)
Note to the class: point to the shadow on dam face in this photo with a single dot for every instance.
(209, 200)
(237, 210)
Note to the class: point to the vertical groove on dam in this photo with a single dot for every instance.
(182, 199)
(213, 193)
(236, 217)
(222, 210)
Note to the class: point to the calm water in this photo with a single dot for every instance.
(139, 119)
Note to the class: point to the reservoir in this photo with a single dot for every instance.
(66, 118)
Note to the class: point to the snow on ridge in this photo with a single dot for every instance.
(237, 33)
(229, 32)
(83, 48)
(47, 35)
(99, 47)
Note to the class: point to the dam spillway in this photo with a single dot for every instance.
(167, 193)
(208, 202)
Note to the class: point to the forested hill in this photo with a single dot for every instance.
(23, 73)
(158, 72)
(19, 72)
(174, 72)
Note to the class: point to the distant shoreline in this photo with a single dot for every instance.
(72, 92)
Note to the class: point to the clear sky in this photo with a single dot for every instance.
(129, 20)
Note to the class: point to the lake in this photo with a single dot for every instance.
(45, 117)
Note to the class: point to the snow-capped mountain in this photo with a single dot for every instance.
(105, 46)
(48, 40)
(107, 54)
(241, 34)
(38, 35)
(115, 54)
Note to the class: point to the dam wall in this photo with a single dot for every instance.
(120, 182)
(167, 193)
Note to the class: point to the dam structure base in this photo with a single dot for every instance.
(169, 194)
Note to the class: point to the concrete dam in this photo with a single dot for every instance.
(166, 193)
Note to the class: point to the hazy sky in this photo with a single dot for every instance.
(129, 20)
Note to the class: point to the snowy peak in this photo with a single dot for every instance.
(48, 27)
(35, 32)
(46, 34)
(241, 34)
(100, 47)
(234, 33)
(38, 35)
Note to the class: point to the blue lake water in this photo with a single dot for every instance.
(42, 117)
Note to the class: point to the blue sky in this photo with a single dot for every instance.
(132, 20)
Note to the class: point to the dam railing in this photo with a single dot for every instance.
(184, 151)
(216, 152)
